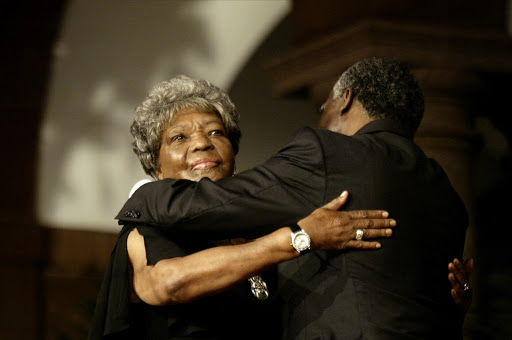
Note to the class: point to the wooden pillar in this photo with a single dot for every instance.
(28, 30)
(446, 132)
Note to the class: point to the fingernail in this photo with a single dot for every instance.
(389, 232)
(392, 223)
(385, 214)
(377, 245)
(343, 194)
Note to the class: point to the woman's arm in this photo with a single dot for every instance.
(210, 271)
(183, 279)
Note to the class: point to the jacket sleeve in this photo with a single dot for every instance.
(255, 202)
(112, 308)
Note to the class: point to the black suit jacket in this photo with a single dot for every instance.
(400, 291)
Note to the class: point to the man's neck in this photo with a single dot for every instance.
(351, 126)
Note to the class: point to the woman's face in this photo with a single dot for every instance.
(195, 145)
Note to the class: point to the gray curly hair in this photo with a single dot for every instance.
(157, 110)
(387, 90)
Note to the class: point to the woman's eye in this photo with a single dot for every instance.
(216, 132)
(177, 138)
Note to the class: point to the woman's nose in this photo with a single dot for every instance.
(201, 142)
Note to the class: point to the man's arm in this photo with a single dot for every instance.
(281, 191)
(284, 189)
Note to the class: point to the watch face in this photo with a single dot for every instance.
(301, 241)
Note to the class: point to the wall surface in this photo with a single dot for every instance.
(108, 55)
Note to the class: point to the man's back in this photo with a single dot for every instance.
(401, 290)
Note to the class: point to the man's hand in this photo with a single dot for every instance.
(331, 229)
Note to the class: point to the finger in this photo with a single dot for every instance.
(459, 272)
(354, 244)
(372, 223)
(363, 214)
(375, 233)
(456, 297)
(337, 202)
(456, 287)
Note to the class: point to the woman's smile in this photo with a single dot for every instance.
(204, 164)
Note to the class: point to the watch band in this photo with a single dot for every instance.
(295, 228)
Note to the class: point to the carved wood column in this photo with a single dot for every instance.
(29, 28)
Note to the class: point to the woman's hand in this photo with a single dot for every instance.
(330, 229)
(462, 293)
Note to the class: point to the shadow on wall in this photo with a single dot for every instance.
(266, 121)
(89, 114)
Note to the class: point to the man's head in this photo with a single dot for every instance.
(373, 88)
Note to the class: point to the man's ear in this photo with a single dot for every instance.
(347, 99)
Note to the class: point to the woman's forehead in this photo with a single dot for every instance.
(194, 116)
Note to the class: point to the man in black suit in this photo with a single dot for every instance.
(364, 144)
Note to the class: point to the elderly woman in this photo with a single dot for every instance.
(161, 286)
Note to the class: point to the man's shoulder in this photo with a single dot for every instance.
(310, 141)
(316, 134)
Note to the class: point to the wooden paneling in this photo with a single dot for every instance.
(313, 19)
(71, 280)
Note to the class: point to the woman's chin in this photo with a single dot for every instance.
(213, 174)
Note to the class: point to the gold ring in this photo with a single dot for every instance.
(359, 234)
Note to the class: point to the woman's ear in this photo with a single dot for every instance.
(159, 174)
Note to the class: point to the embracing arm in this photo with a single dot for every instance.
(207, 272)
(279, 192)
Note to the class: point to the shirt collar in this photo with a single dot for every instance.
(380, 125)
